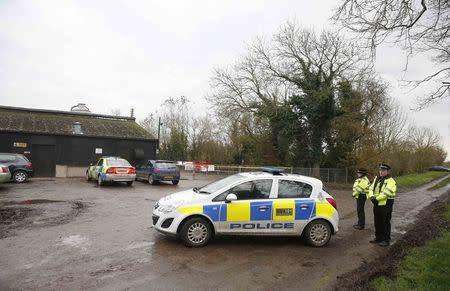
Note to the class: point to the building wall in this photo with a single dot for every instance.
(77, 152)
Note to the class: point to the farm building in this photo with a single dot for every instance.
(64, 143)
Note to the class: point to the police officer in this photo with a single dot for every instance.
(360, 191)
(381, 194)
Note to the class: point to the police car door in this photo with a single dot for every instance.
(98, 167)
(292, 208)
(252, 212)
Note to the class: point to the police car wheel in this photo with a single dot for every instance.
(318, 233)
(88, 177)
(195, 232)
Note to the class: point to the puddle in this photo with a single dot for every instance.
(34, 213)
(10, 215)
(31, 202)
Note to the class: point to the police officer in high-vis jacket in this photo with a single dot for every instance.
(360, 192)
(382, 193)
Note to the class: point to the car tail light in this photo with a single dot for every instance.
(132, 170)
(4, 169)
(29, 166)
(111, 170)
(177, 171)
(332, 202)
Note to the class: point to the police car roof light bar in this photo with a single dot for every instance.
(273, 171)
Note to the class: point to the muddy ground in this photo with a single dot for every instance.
(430, 224)
(70, 234)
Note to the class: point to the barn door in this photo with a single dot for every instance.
(44, 160)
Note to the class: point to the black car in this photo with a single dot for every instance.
(439, 168)
(19, 166)
(154, 171)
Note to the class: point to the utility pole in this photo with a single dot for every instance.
(159, 132)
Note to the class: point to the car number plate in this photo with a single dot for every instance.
(168, 177)
(122, 171)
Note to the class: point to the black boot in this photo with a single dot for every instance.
(384, 244)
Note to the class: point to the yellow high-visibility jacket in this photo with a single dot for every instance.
(387, 191)
(361, 186)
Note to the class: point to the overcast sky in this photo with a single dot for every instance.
(124, 54)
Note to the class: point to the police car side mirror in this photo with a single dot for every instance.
(230, 197)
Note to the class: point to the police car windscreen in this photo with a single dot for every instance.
(118, 163)
(217, 185)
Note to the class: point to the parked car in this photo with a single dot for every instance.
(111, 169)
(5, 175)
(254, 203)
(154, 171)
(439, 168)
(19, 166)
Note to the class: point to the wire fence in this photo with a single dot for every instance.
(326, 175)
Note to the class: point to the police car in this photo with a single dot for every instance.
(111, 169)
(255, 203)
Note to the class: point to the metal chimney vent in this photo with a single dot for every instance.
(80, 107)
(77, 128)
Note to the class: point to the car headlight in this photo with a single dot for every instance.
(166, 208)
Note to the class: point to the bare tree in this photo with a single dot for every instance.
(297, 52)
(425, 143)
(150, 123)
(115, 112)
(175, 112)
(420, 26)
(291, 81)
(424, 137)
(390, 128)
(245, 86)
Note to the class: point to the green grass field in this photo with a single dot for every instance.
(415, 180)
(424, 268)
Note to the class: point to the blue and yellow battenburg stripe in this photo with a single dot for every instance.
(277, 210)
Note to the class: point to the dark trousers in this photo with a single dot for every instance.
(382, 216)
(360, 202)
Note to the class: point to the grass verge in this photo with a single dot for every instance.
(415, 180)
(424, 268)
(440, 184)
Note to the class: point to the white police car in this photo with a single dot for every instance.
(255, 203)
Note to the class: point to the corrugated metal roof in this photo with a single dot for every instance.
(17, 119)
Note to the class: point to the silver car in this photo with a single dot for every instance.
(5, 175)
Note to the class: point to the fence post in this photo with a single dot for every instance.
(328, 175)
(292, 170)
(346, 175)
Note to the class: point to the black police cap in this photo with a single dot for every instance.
(384, 166)
(362, 171)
